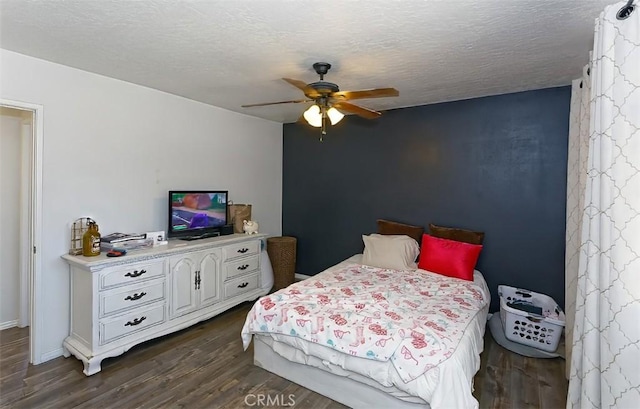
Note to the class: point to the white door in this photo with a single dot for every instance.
(209, 276)
(10, 215)
(183, 285)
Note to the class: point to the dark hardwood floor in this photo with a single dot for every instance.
(205, 367)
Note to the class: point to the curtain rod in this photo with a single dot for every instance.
(625, 11)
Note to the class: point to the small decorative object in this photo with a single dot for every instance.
(91, 241)
(250, 226)
(158, 237)
(78, 229)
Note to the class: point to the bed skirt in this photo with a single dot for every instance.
(342, 389)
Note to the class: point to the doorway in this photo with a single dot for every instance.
(21, 215)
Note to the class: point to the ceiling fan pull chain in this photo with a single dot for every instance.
(324, 125)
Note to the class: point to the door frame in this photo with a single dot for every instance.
(26, 140)
(32, 237)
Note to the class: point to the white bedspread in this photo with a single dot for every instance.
(435, 362)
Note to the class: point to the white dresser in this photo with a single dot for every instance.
(119, 302)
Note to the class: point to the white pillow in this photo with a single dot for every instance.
(389, 251)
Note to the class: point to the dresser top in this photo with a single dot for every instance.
(175, 246)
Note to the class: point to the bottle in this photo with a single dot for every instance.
(91, 241)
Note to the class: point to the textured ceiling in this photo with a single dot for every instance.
(228, 53)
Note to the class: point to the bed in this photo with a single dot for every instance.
(375, 336)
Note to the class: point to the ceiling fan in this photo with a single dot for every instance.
(329, 100)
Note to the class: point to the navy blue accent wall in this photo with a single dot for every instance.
(495, 164)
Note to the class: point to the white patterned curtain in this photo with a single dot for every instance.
(603, 221)
(576, 183)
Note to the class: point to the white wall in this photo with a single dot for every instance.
(10, 167)
(112, 150)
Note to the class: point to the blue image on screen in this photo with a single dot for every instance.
(186, 220)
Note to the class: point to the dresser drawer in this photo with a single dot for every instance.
(130, 274)
(142, 318)
(240, 267)
(240, 285)
(240, 249)
(124, 298)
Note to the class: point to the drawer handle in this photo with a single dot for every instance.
(135, 296)
(243, 285)
(243, 267)
(135, 273)
(136, 321)
(243, 250)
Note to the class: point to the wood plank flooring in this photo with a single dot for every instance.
(509, 380)
(205, 367)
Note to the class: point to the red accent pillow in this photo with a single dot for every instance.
(448, 257)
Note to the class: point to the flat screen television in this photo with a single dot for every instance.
(197, 213)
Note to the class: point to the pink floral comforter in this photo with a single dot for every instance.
(413, 318)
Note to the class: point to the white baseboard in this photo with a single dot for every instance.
(48, 356)
(8, 324)
(301, 276)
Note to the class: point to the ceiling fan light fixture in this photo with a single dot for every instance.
(334, 115)
(313, 116)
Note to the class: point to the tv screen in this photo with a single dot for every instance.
(196, 212)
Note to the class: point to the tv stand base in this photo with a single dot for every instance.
(202, 236)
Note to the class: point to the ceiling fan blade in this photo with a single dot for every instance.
(308, 91)
(296, 83)
(295, 101)
(368, 93)
(358, 110)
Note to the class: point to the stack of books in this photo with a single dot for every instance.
(125, 241)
